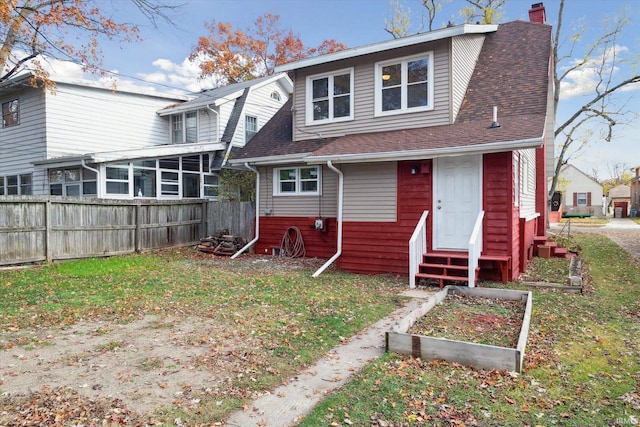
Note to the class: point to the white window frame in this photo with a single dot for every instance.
(298, 182)
(403, 85)
(183, 125)
(309, 121)
(128, 181)
(247, 118)
(586, 198)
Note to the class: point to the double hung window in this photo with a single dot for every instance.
(184, 127)
(330, 97)
(582, 199)
(250, 127)
(404, 85)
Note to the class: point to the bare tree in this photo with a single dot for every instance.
(602, 60)
(483, 11)
(33, 31)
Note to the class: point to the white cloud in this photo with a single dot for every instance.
(583, 80)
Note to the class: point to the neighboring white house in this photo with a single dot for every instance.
(87, 141)
(580, 193)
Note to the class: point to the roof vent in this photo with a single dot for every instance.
(495, 123)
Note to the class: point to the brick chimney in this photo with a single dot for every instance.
(537, 13)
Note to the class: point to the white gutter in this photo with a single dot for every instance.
(433, 153)
(340, 204)
(251, 243)
(441, 34)
(272, 160)
(98, 186)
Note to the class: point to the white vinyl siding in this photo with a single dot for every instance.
(260, 104)
(325, 205)
(465, 51)
(364, 119)
(25, 142)
(370, 192)
(85, 120)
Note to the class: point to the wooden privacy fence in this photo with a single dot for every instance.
(45, 228)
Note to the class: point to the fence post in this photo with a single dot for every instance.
(137, 236)
(204, 229)
(47, 229)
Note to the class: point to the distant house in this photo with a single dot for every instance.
(87, 141)
(581, 194)
(444, 135)
(619, 201)
(635, 192)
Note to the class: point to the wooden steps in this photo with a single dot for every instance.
(545, 249)
(444, 266)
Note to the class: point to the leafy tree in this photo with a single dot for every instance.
(483, 11)
(232, 55)
(34, 31)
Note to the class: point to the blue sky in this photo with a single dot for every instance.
(162, 57)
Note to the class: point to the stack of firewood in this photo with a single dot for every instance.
(221, 243)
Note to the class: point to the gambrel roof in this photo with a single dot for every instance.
(512, 74)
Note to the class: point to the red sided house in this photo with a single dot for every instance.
(421, 156)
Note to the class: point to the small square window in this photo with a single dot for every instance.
(10, 113)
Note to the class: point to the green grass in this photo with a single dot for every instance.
(582, 365)
(290, 319)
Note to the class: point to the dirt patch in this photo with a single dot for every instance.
(150, 363)
(473, 319)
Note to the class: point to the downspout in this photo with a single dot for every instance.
(98, 183)
(251, 243)
(340, 202)
(218, 137)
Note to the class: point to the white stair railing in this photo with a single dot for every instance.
(417, 247)
(475, 249)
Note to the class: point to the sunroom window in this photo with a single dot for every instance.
(330, 97)
(297, 181)
(404, 85)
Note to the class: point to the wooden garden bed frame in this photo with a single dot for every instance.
(479, 356)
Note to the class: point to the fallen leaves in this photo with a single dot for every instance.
(64, 406)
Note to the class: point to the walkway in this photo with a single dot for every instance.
(289, 402)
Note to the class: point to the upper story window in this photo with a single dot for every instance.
(330, 97)
(296, 181)
(276, 96)
(184, 127)
(250, 127)
(10, 113)
(404, 85)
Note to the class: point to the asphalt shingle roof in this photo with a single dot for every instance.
(512, 74)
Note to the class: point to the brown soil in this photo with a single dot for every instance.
(129, 370)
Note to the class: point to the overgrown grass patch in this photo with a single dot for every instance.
(582, 365)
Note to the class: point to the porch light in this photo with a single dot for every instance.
(386, 76)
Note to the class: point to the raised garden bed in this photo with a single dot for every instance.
(465, 332)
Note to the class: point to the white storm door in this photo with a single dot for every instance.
(457, 197)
